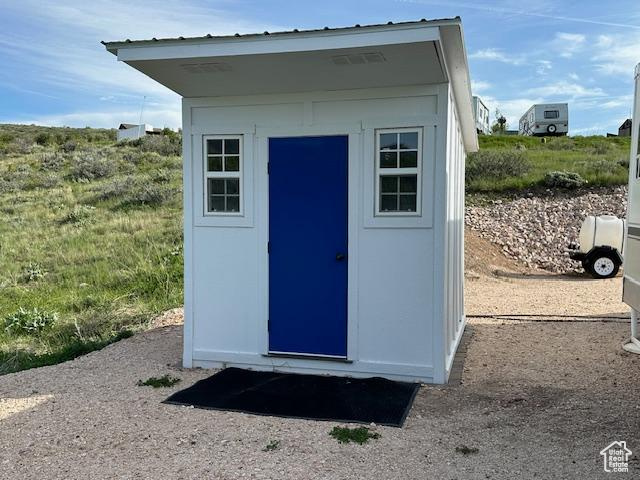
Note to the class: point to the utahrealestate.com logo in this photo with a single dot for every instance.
(616, 457)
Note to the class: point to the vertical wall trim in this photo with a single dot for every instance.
(439, 238)
(187, 198)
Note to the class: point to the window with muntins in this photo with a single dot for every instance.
(223, 175)
(551, 114)
(398, 167)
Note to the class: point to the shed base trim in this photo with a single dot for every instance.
(358, 369)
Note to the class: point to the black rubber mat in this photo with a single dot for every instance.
(317, 397)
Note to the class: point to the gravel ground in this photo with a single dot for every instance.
(538, 400)
(536, 230)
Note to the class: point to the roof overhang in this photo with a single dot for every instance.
(411, 53)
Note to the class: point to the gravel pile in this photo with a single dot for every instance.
(536, 230)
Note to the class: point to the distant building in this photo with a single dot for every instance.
(481, 114)
(625, 128)
(130, 131)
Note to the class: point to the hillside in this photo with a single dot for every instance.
(91, 240)
(508, 163)
(91, 235)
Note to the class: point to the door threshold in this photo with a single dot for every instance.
(308, 356)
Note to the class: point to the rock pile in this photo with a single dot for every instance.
(537, 229)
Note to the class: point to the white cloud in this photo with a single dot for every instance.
(494, 54)
(543, 67)
(574, 76)
(62, 52)
(512, 109)
(566, 90)
(479, 86)
(617, 54)
(569, 43)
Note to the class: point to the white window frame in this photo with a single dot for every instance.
(380, 172)
(207, 175)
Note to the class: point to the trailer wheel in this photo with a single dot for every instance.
(552, 128)
(602, 264)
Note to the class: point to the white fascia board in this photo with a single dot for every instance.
(455, 60)
(272, 45)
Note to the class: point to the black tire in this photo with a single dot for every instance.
(552, 129)
(602, 264)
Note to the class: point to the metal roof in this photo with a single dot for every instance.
(286, 32)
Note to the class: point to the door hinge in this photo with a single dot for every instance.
(268, 168)
(268, 247)
(268, 325)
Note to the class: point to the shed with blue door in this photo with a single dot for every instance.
(323, 196)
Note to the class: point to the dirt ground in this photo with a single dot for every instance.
(537, 400)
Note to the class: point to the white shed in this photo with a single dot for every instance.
(323, 196)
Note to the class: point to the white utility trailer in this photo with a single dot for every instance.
(631, 282)
(545, 119)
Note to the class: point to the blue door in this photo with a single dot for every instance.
(308, 245)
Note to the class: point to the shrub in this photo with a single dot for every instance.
(163, 145)
(118, 188)
(568, 180)
(80, 215)
(49, 180)
(29, 321)
(51, 161)
(624, 162)
(560, 143)
(69, 146)
(150, 194)
(137, 157)
(43, 138)
(496, 165)
(32, 273)
(91, 165)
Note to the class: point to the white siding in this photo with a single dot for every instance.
(394, 296)
(454, 235)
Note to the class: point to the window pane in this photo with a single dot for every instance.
(214, 164)
(388, 141)
(216, 186)
(408, 159)
(408, 203)
(388, 203)
(409, 140)
(216, 203)
(232, 146)
(233, 186)
(231, 164)
(214, 146)
(551, 114)
(388, 159)
(389, 184)
(409, 184)
(233, 203)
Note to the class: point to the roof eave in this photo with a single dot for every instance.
(113, 46)
(455, 56)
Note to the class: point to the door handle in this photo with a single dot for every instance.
(340, 256)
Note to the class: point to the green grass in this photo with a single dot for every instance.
(599, 160)
(159, 382)
(359, 435)
(104, 265)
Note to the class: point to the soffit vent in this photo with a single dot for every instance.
(206, 67)
(359, 58)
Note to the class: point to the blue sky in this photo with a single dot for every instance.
(54, 71)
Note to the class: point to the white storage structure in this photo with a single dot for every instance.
(323, 196)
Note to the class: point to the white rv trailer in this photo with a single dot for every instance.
(481, 114)
(631, 281)
(545, 119)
